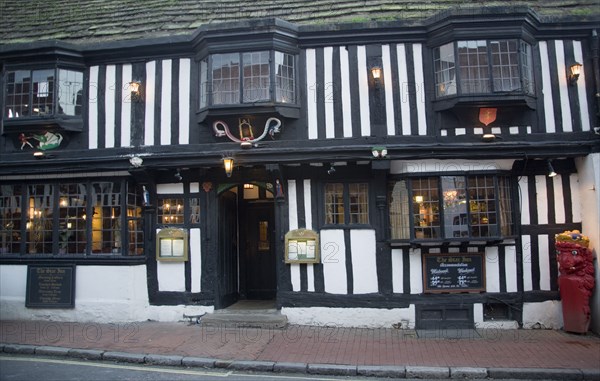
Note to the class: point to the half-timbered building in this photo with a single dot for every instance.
(369, 164)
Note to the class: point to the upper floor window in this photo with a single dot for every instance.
(246, 78)
(483, 67)
(49, 92)
(346, 203)
(451, 207)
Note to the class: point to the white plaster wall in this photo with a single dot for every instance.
(171, 276)
(364, 261)
(103, 294)
(589, 192)
(351, 317)
(546, 314)
(333, 257)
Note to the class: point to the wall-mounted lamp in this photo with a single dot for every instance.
(331, 170)
(39, 155)
(488, 137)
(134, 87)
(136, 161)
(379, 152)
(376, 72)
(575, 70)
(228, 164)
(551, 172)
(177, 175)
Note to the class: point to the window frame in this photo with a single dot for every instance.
(187, 210)
(53, 120)
(346, 202)
(409, 178)
(127, 188)
(526, 89)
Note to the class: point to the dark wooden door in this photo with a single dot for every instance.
(259, 251)
(228, 256)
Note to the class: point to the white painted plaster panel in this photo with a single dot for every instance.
(194, 187)
(420, 84)
(547, 88)
(171, 276)
(93, 109)
(389, 90)
(559, 201)
(165, 103)
(576, 197)
(184, 100)
(310, 277)
(293, 205)
(544, 261)
(13, 280)
(109, 106)
(541, 198)
(527, 278)
(364, 261)
(308, 204)
(333, 257)
(295, 276)
(416, 271)
(175, 188)
(510, 268)
(351, 317)
(524, 200)
(397, 271)
(150, 95)
(363, 91)
(345, 90)
(547, 314)
(196, 259)
(403, 90)
(311, 91)
(329, 94)
(492, 269)
(126, 106)
(563, 90)
(581, 90)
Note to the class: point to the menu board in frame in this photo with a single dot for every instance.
(460, 272)
(302, 246)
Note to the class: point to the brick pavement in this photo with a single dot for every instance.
(320, 345)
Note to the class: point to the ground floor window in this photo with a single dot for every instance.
(447, 207)
(84, 218)
(346, 203)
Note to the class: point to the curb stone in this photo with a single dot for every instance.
(381, 371)
(51, 351)
(164, 360)
(89, 354)
(332, 369)
(19, 348)
(258, 366)
(291, 367)
(468, 372)
(427, 372)
(1, 348)
(536, 374)
(124, 357)
(200, 362)
(591, 374)
(222, 363)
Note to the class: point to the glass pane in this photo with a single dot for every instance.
(16, 103)
(10, 219)
(43, 92)
(527, 68)
(505, 65)
(334, 203)
(455, 206)
(204, 83)
(505, 203)
(135, 226)
(445, 72)
(70, 92)
(426, 214)
(194, 210)
(170, 211)
(106, 218)
(399, 210)
(257, 80)
(285, 90)
(39, 219)
(71, 222)
(473, 66)
(482, 206)
(226, 78)
(358, 203)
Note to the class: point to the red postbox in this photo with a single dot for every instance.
(576, 280)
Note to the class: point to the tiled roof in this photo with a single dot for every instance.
(89, 21)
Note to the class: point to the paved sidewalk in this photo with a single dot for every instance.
(324, 350)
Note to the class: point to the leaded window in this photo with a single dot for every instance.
(346, 203)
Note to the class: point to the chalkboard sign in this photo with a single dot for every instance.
(454, 272)
(50, 286)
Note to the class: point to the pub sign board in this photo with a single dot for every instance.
(50, 286)
(454, 272)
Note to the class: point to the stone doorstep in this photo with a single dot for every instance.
(244, 320)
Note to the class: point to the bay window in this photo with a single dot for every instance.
(451, 207)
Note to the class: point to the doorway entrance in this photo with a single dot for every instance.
(246, 262)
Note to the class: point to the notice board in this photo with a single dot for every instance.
(454, 272)
(50, 286)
